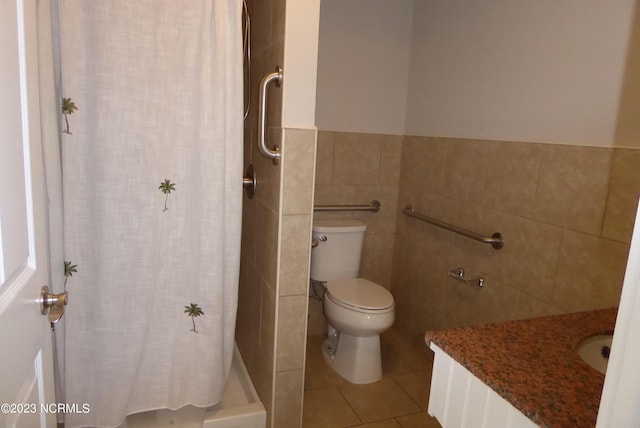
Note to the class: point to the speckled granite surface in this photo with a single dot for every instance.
(534, 364)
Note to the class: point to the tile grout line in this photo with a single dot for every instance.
(392, 345)
(350, 407)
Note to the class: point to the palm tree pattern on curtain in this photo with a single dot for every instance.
(194, 311)
(166, 187)
(68, 107)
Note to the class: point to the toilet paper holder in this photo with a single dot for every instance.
(458, 274)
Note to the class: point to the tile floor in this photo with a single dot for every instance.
(399, 400)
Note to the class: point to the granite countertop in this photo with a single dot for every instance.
(534, 365)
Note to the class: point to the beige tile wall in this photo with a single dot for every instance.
(272, 307)
(257, 298)
(293, 284)
(355, 169)
(565, 212)
(276, 237)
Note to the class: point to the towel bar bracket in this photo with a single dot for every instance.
(459, 275)
(497, 241)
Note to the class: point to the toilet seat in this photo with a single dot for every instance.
(360, 295)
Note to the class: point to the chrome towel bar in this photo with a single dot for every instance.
(495, 240)
(274, 153)
(374, 206)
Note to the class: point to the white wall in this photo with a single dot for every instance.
(300, 64)
(363, 65)
(518, 70)
(539, 70)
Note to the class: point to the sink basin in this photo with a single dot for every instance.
(595, 351)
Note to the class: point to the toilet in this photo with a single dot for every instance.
(357, 310)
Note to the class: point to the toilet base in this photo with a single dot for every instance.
(357, 359)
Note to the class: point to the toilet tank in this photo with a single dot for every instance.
(337, 255)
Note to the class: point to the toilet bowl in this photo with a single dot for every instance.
(357, 310)
(358, 307)
(359, 320)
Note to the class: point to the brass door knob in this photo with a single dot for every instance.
(48, 300)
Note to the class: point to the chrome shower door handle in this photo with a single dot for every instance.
(274, 153)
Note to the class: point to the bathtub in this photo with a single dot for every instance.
(240, 407)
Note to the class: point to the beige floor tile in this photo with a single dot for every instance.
(417, 358)
(326, 408)
(389, 423)
(318, 374)
(330, 401)
(417, 385)
(314, 342)
(378, 401)
(418, 420)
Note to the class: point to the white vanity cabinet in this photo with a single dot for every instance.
(460, 400)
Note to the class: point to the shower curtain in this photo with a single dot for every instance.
(151, 142)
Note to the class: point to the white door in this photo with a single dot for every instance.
(620, 402)
(26, 367)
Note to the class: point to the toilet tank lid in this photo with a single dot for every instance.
(338, 226)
